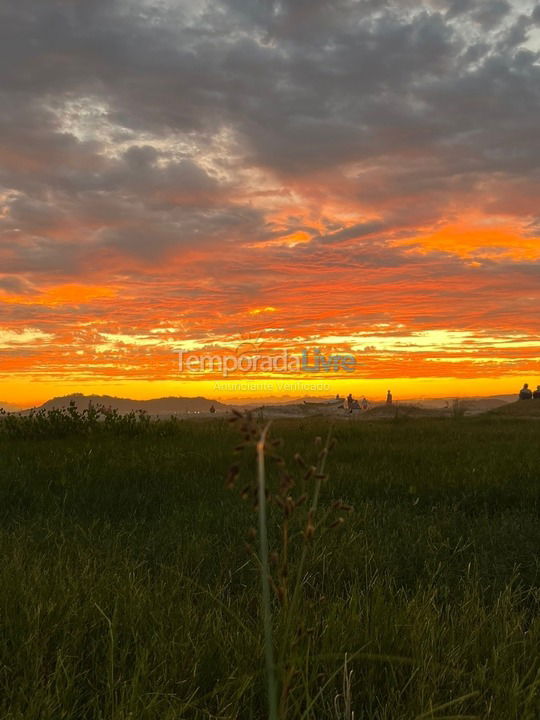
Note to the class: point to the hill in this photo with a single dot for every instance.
(519, 409)
(401, 410)
(156, 406)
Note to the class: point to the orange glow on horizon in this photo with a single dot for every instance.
(32, 394)
(423, 326)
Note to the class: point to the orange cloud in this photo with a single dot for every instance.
(483, 237)
(61, 295)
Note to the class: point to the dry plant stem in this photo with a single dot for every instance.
(313, 509)
(300, 572)
(265, 581)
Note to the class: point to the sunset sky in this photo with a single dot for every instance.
(361, 176)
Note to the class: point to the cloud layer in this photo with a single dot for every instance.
(359, 166)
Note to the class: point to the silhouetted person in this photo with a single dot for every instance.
(525, 393)
(212, 409)
(536, 393)
(389, 398)
(365, 404)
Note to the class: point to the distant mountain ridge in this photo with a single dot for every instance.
(172, 405)
(155, 406)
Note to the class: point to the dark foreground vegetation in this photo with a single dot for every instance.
(127, 590)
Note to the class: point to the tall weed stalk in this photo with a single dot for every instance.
(292, 502)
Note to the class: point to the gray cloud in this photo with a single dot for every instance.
(136, 128)
(14, 284)
(490, 14)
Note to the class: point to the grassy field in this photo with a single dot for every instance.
(127, 590)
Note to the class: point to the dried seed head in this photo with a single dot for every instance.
(340, 505)
(289, 506)
(300, 460)
(310, 527)
(336, 523)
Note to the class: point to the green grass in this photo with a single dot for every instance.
(126, 590)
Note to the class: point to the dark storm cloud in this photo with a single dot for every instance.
(429, 100)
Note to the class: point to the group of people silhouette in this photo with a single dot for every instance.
(527, 394)
(351, 403)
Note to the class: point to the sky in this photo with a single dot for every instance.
(239, 176)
